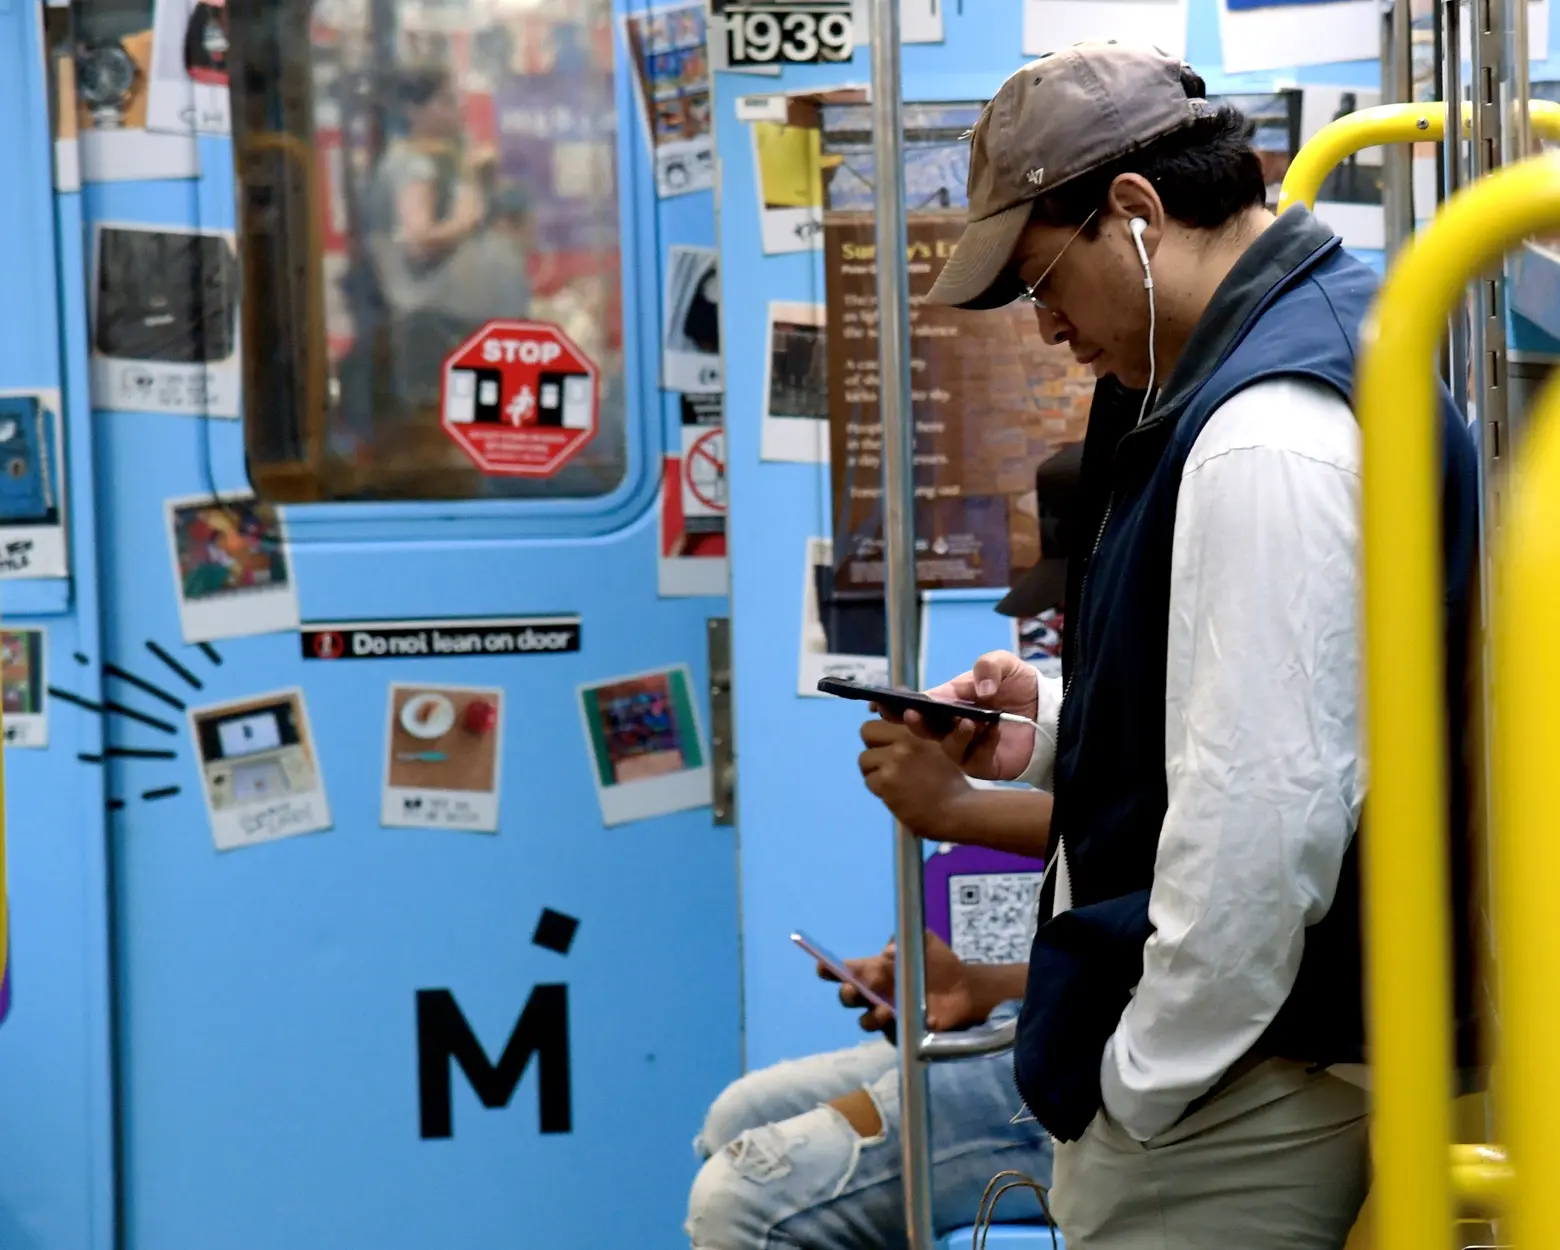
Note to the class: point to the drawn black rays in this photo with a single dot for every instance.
(115, 712)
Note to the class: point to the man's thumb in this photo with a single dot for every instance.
(989, 672)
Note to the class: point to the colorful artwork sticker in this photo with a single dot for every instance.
(669, 56)
(646, 752)
(24, 688)
(231, 567)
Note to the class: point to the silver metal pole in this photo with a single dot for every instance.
(1453, 176)
(893, 291)
(1496, 27)
(1397, 87)
(1488, 55)
(1519, 132)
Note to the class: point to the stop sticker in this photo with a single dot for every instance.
(520, 398)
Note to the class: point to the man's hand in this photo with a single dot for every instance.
(914, 777)
(950, 999)
(1000, 752)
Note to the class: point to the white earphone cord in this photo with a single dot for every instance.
(1137, 226)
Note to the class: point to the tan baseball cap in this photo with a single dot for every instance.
(1057, 118)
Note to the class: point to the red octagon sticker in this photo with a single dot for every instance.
(520, 398)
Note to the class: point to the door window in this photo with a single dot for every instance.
(409, 172)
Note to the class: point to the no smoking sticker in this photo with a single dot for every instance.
(704, 471)
(520, 398)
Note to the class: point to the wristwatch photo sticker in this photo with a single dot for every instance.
(108, 77)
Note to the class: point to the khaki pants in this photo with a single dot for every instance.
(1278, 1160)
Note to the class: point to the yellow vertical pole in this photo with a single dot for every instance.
(1406, 853)
(1527, 736)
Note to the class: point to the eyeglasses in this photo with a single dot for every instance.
(1029, 291)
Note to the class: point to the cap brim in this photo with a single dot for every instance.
(1039, 590)
(977, 275)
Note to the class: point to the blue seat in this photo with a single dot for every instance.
(1004, 1237)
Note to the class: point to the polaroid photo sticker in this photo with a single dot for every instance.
(1052, 25)
(114, 144)
(669, 55)
(920, 21)
(231, 567)
(647, 755)
(259, 771)
(444, 744)
(690, 346)
(165, 330)
(188, 92)
(796, 385)
(23, 688)
(32, 485)
(787, 154)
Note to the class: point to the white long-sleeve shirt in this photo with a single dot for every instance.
(1263, 763)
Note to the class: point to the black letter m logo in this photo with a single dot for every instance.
(443, 1034)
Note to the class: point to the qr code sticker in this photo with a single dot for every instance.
(992, 916)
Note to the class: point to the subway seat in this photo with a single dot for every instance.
(1004, 1237)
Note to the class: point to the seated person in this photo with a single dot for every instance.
(806, 1153)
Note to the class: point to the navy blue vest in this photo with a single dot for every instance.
(1291, 307)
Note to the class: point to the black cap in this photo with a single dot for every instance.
(1044, 586)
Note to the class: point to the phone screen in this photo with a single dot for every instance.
(838, 968)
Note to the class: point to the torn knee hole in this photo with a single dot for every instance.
(860, 1112)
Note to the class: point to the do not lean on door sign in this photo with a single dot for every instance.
(704, 471)
(520, 398)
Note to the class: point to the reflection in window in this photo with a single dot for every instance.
(410, 171)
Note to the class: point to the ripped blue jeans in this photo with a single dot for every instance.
(784, 1170)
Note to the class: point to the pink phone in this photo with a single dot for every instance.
(838, 968)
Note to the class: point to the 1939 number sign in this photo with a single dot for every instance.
(767, 32)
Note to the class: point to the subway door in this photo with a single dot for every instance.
(426, 927)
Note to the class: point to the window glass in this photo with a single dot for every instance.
(408, 172)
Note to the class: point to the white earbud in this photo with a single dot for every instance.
(1138, 225)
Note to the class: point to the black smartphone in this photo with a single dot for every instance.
(901, 701)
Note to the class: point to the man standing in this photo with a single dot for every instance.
(1194, 1002)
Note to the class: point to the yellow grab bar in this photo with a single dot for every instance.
(1405, 852)
(1335, 142)
(1527, 740)
(1481, 1178)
